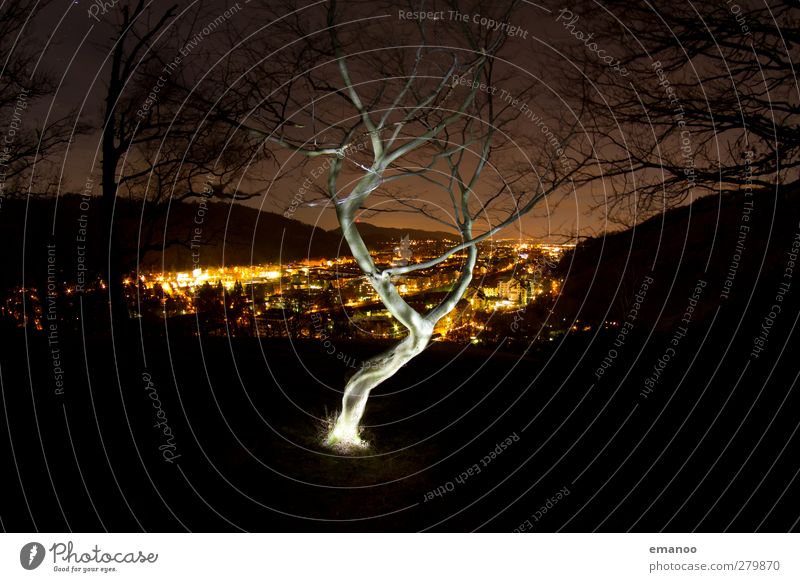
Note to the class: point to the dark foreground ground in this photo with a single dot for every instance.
(713, 447)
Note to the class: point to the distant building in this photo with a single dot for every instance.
(402, 253)
(510, 289)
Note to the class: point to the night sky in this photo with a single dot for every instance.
(75, 52)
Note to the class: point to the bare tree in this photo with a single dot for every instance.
(684, 99)
(164, 138)
(386, 100)
(22, 83)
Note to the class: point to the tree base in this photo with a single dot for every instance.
(345, 439)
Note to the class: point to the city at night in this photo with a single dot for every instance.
(350, 269)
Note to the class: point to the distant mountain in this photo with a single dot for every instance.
(740, 254)
(232, 234)
(378, 234)
(241, 235)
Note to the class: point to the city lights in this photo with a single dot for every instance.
(276, 299)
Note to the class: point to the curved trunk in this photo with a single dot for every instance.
(376, 370)
(385, 365)
(373, 373)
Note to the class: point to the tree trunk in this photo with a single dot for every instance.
(373, 373)
(345, 431)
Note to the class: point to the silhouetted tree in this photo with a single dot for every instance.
(161, 143)
(708, 101)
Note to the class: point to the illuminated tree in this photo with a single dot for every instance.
(388, 101)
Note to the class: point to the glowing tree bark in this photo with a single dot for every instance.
(423, 124)
(420, 329)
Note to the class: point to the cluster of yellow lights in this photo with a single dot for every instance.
(172, 281)
(180, 281)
